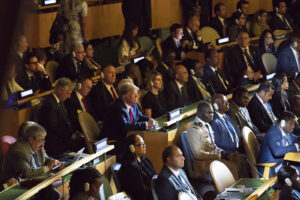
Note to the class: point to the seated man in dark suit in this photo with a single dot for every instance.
(260, 109)
(72, 65)
(176, 91)
(192, 34)
(288, 60)
(279, 140)
(174, 41)
(226, 135)
(104, 92)
(26, 158)
(294, 88)
(214, 76)
(295, 108)
(80, 100)
(123, 116)
(172, 179)
(166, 65)
(280, 21)
(243, 7)
(238, 112)
(53, 115)
(31, 76)
(220, 23)
(244, 62)
(133, 72)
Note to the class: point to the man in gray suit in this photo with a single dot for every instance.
(172, 180)
(26, 158)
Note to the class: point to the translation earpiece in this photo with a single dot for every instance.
(78, 86)
(86, 186)
(295, 44)
(73, 54)
(192, 72)
(288, 182)
(282, 123)
(239, 10)
(216, 107)
(236, 21)
(258, 17)
(151, 83)
(276, 9)
(131, 148)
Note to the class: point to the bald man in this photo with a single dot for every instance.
(226, 135)
(176, 91)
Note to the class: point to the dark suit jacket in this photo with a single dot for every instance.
(39, 81)
(275, 146)
(276, 23)
(218, 26)
(72, 105)
(130, 172)
(169, 43)
(286, 62)
(167, 186)
(67, 69)
(101, 99)
(279, 103)
(191, 38)
(173, 96)
(237, 64)
(209, 76)
(19, 162)
(222, 134)
(292, 91)
(193, 90)
(166, 73)
(259, 115)
(58, 127)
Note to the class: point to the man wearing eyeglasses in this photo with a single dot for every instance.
(26, 158)
(31, 77)
(72, 66)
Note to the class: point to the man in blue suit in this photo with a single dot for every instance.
(226, 135)
(279, 140)
(123, 116)
(288, 60)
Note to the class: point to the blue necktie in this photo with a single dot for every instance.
(182, 182)
(231, 129)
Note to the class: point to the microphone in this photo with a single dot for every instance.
(253, 167)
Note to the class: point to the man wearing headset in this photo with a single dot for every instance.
(279, 140)
(288, 60)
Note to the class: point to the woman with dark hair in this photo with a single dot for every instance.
(279, 101)
(238, 24)
(89, 62)
(138, 169)
(288, 183)
(152, 101)
(85, 184)
(146, 68)
(129, 47)
(266, 43)
(260, 23)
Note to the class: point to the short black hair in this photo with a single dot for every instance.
(217, 7)
(277, 81)
(262, 37)
(265, 86)
(243, 32)
(208, 53)
(238, 92)
(201, 107)
(240, 3)
(105, 66)
(174, 27)
(168, 152)
(285, 172)
(286, 115)
(27, 57)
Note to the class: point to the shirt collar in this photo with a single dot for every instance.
(179, 84)
(127, 106)
(261, 101)
(203, 122)
(247, 48)
(56, 98)
(221, 115)
(189, 30)
(79, 96)
(175, 172)
(294, 51)
(212, 68)
(221, 19)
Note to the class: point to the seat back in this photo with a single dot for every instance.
(221, 175)
(252, 148)
(115, 168)
(153, 188)
(269, 61)
(146, 43)
(105, 189)
(90, 129)
(6, 141)
(188, 156)
(51, 68)
(140, 94)
(208, 34)
(158, 42)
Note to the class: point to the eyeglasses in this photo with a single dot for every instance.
(81, 52)
(40, 140)
(139, 145)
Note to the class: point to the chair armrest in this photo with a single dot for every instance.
(292, 156)
(265, 164)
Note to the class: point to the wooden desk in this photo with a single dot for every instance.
(22, 193)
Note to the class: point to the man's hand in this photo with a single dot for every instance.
(257, 76)
(152, 124)
(52, 163)
(11, 182)
(184, 43)
(250, 75)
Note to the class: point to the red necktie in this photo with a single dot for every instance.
(85, 105)
(113, 93)
(131, 115)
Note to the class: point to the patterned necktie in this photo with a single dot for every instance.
(113, 93)
(249, 59)
(85, 104)
(131, 115)
(232, 131)
(36, 160)
(287, 27)
(221, 79)
(183, 184)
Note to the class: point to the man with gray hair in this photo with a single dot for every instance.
(26, 158)
(53, 116)
(123, 116)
